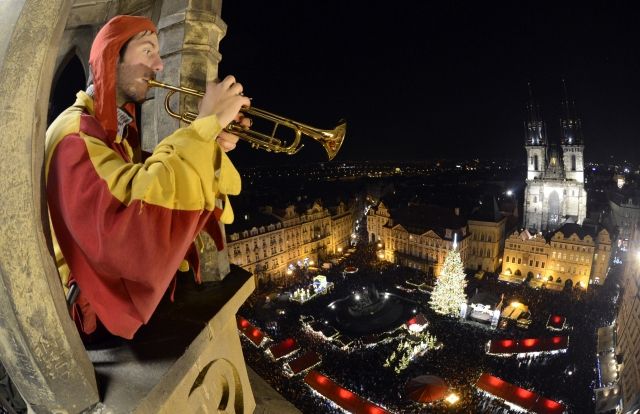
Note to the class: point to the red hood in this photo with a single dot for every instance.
(103, 58)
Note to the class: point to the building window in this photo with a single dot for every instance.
(519, 261)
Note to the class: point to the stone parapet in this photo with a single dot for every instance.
(187, 359)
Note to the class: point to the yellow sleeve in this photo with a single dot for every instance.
(187, 171)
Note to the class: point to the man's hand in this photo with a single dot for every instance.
(228, 140)
(225, 99)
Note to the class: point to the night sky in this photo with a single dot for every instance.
(418, 80)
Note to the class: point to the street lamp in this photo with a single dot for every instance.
(452, 399)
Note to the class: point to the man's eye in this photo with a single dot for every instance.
(147, 51)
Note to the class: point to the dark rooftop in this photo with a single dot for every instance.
(419, 219)
(581, 231)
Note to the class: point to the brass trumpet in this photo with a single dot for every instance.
(331, 140)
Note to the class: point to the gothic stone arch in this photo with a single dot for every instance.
(41, 349)
(553, 209)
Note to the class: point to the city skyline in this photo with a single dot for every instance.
(425, 81)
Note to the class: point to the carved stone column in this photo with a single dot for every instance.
(39, 345)
(189, 32)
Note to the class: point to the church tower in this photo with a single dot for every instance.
(555, 192)
(571, 139)
(535, 140)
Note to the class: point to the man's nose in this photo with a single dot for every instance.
(157, 65)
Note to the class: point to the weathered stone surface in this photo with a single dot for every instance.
(187, 358)
(41, 349)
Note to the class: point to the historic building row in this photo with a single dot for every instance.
(572, 256)
(267, 243)
(420, 236)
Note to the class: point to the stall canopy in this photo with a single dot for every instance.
(556, 322)
(283, 348)
(426, 388)
(341, 396)
(304, 362)
(521, 397)
(252, 333)
(528, 345)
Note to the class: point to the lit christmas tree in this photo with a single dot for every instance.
(448, 292)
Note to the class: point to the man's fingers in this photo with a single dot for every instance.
(245, 123)
(228, 81)
(227, 141)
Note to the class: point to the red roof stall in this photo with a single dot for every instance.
(242, 323)
(528, 345)
(252, 333)
(556, 322)
(284, 348)
(521, 397)
(303, 362)
(341, 396)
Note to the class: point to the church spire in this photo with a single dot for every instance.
(535, 129)
(570, 124)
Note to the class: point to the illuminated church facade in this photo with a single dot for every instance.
(554, 193)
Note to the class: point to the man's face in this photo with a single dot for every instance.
(140, 63)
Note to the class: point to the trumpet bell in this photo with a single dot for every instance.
(332, 140)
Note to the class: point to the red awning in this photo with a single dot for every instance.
(341, 396)
(426, 388)
(305, 361)
(546, 406)
(556, 322)
(419, 319)
(518, 346)
(521, 397)
(285, 347)
(254, 334)
(242, 323)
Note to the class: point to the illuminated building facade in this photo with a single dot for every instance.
(628, 335)
(625, 214)
(573, 256)
(268, 242)
(487, 228)
(555, 191)
(418, 236)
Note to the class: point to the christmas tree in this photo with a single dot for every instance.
(448, 292)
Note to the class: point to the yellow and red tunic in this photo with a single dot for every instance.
(123, 227)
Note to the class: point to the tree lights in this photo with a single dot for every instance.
(448, 293)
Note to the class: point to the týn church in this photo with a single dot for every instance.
(555, 192)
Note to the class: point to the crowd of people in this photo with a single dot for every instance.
(567, 377)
